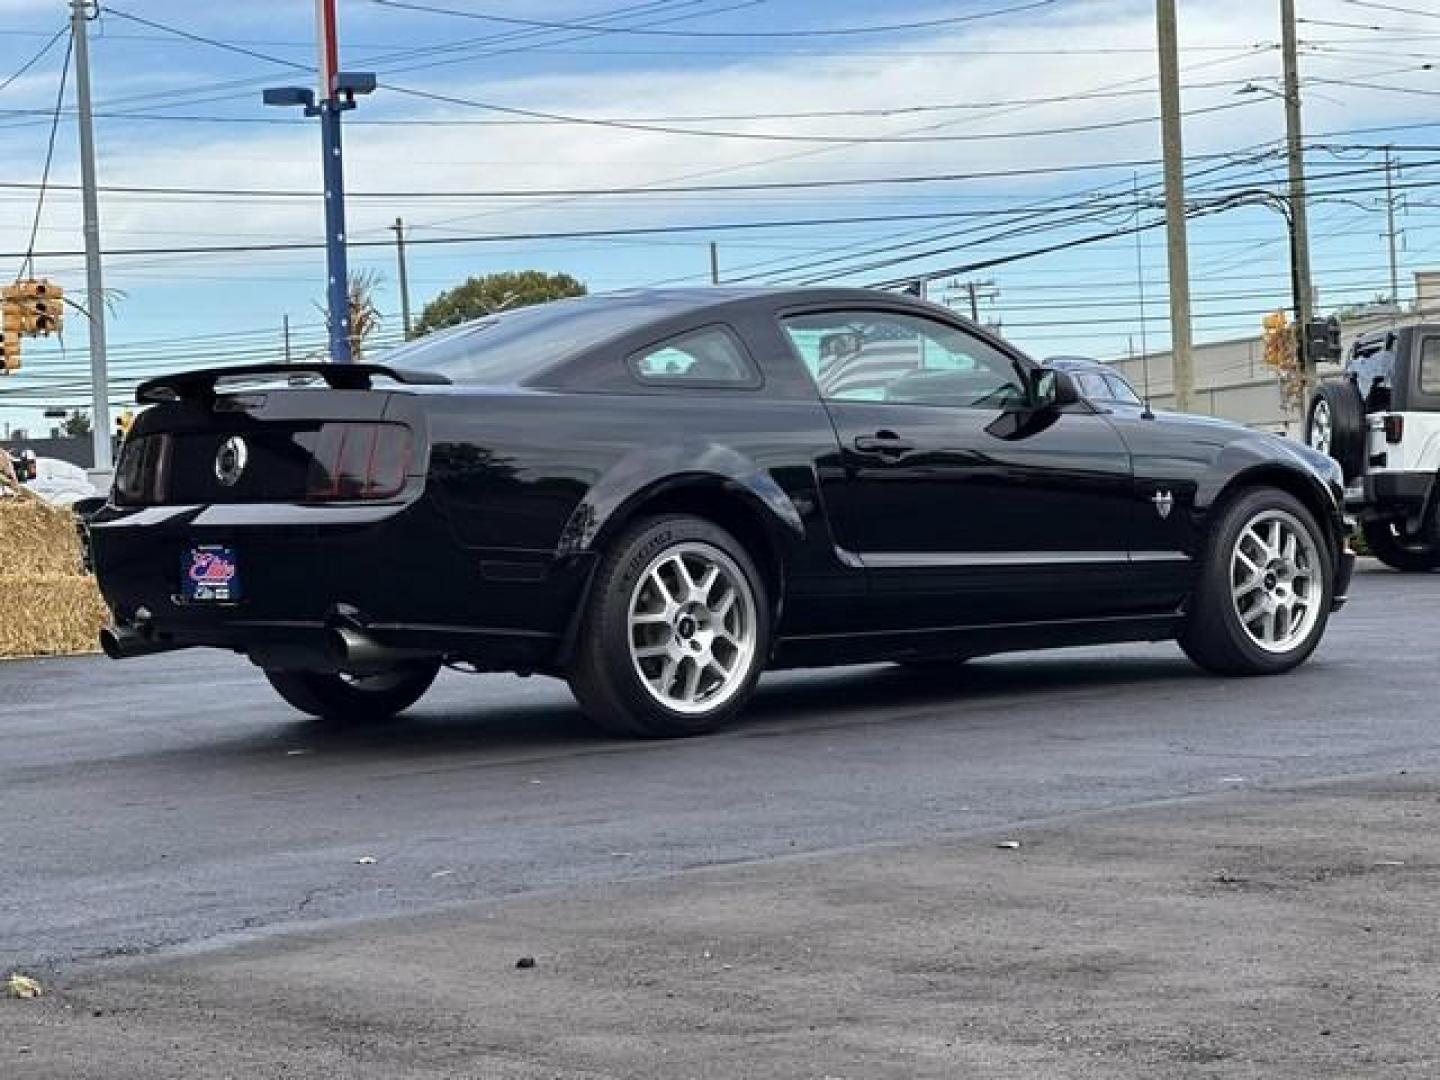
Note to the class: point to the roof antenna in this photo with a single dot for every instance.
(1148, 413)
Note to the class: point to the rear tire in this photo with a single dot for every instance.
(1399, 551)
(1335, 425)
(1262, 597)
(355, 699)
(676, 632)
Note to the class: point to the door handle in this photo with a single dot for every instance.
(883, 442)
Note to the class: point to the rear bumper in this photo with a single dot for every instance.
(393, 570)
(1392, 494)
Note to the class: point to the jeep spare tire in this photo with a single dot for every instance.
(1335, 425)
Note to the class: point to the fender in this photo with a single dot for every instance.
(1259, 457)
(650, 472)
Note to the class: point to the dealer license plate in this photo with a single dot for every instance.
(210, 574)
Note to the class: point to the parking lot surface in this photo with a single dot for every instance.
(1280, 934)
(173, 802)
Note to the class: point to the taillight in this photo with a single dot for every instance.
(358, 461)
(1394, 428)
(140, 476)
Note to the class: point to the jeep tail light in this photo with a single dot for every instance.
(358, 461)
(1394, 427)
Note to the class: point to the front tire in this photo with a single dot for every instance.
(355, 699)
(676, 632)
(1400, 551)
(1262, 597)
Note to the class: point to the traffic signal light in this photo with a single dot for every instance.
(1323, 339)
(35, 307)
(9, 351)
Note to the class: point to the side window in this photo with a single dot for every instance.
(1120, 390)
(1430, 366)
(906, 359)
(712, 356)
(1092, 386)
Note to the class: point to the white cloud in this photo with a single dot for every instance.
(562, 156)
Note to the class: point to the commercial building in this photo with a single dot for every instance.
(1233, 382)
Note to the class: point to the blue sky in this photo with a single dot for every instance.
(1055, 101)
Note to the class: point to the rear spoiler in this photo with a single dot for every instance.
(200, 385)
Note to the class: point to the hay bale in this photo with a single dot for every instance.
(48, 605)
(50, 615)
(37, 539)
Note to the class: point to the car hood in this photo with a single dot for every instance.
(1214, 429)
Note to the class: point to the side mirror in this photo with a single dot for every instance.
(1052, 389)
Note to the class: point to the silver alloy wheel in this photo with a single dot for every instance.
(1275, 580)
(692, 628)
(1322, 424)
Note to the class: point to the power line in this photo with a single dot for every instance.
(843, 31)
(111, 9)
(1392, 7)
(691, 118)
(770, 136)
(692, 189)
(44, 49)
(28, 261)
(1376, 86)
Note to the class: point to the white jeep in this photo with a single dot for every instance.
(1380, 419)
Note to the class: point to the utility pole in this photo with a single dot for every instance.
(399, 229)
(1172, 145)
(1295, 152)
(338, 90)
(94, 278)
(287, 337)
(1390, 227)
(973, 291)
(714, 263)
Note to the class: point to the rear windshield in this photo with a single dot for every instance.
(515, 345)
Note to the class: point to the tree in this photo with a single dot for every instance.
(364, 315)
(76, 425)
(495, 292)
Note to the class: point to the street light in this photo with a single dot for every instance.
(340, 88)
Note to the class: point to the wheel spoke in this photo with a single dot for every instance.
(692, 680)
(667, 675)
(1261, 549)
(687, 581)
(1248, 586)
(721, 610)
(650, 652)
(706, 583)
(663, 586)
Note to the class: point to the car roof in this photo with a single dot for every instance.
(573, 333)
(1079, 363)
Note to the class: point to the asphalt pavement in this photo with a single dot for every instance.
(172, 804)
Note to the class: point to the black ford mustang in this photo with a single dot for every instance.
(658, 494)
